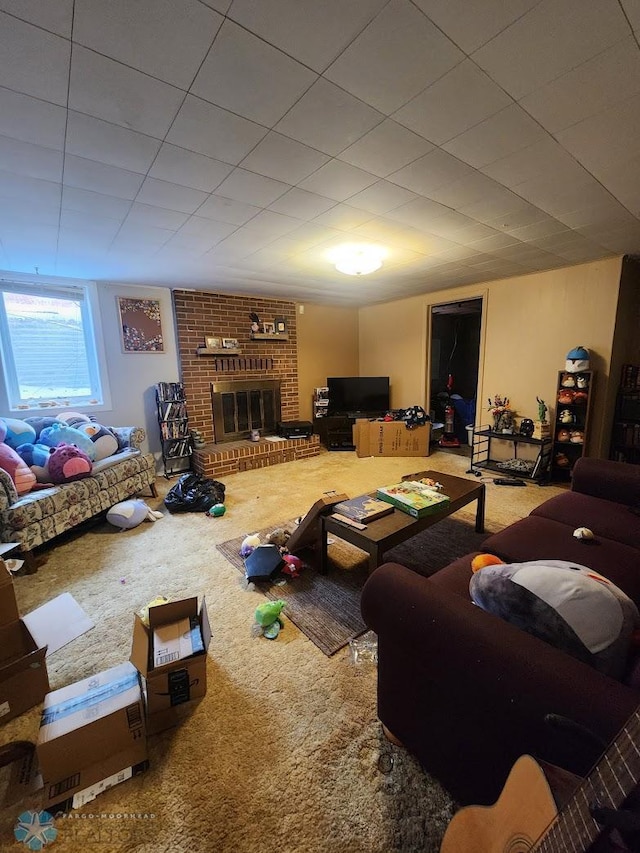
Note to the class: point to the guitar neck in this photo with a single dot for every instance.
(609, 784)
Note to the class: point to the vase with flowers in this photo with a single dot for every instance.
(502, 414)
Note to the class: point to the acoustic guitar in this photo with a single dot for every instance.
(525, 818)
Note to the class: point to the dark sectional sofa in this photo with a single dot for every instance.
(467, 692)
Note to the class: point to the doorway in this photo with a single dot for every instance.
(454, 359)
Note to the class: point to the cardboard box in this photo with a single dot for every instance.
(390, 438)
(24, 680)
(92, 736)
(180, 680)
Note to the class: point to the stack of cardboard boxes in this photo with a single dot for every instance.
(93, 733)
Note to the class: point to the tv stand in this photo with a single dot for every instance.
(336, 431)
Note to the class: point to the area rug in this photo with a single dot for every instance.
(326, 607)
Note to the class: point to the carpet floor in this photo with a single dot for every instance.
(284, 752)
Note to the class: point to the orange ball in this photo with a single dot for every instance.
(483, 560)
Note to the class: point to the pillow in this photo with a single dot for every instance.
(569, 606)
(18, 432)
(36, 456)
(61, 433)
(104, 440)
(23, 477)
(68, 463)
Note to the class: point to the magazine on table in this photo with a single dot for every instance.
(363, 508)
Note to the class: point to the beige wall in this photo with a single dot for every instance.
(529, 324)
(327, 346)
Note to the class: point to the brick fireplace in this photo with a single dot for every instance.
(200, 315)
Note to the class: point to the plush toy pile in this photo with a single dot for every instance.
(39, 452)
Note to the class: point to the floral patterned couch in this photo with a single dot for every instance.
(39, 516)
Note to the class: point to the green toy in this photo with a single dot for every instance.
(217, 510)
(268, 617)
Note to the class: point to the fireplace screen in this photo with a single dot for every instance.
(239, 407)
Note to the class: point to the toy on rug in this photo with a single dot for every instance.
(216, 511)
(278, 537)
(129, 514)
(292, 565)
(249, 544)
(567, 605)
(143, 613)
(267, 616)
(68, 463)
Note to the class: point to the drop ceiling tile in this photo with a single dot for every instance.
(548, 41)
(526, 214)
(381, 197)
(497, 136)
(471, 25)
(27, 189)
(476, 97)
(390, 233)
(91, 203)
(221, 6)
(328, 118)
(250, 188)
(137, 235)
(244, 74)
(111, 91)
(55, 17)
(337, 180)
(394, 58)
(97, 226)
(419, 213)
(537, 230)
(632, 10)
(227, 210)
(97, 177)
(189, 169)
(283, 159)
(167, 39)
(147, 214)
(493, 203)
(301, 204)
(210, 130)
(34, 161)
(493, 242)
(545, 158)
(108, 143)
(22, 213)
(171, 196)
(201, 234)
(33, 61)
(343, 217)
(305, 237)
(314, 33)
(385, 149)
(434, 170)
(31, 120)
(610, 77)
(469, 189)
(268, 226)
(601, 141)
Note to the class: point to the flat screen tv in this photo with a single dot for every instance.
(358, 395)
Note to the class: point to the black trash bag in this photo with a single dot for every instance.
(194, 493)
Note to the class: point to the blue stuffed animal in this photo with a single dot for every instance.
(36, 456)
(61, 433)
(18, 432)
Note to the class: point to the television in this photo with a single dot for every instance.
(358, 395)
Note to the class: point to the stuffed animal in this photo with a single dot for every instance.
(36, 456)
(577, 360)
(61, 433)
(267, 616)
(73, 418)
(292, 565)
(68, 463)
(40, 423)
(104, 440)
(249, 544)
(18, 432)
(563, 434)
(278, 537)
(566, 416)
(129, 514)
(23, 477)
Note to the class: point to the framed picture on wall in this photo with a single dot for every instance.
(281, 325)
(213, 343)
(268, 328)
(140, 325)
(230, 343)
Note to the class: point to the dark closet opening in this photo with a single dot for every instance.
(455, 352)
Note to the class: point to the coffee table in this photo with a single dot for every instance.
(385, 533)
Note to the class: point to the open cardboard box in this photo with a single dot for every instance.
(24, 680)
(92, 736)
(390, 438)
(180, 680)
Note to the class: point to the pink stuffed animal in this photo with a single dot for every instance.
(22, 476)
(67, 463)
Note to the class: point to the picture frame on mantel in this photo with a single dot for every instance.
(140, 325)
(281, 325)
(213, 342)
(269, 328)
(230, 343)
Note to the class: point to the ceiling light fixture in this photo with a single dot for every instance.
(357, 258)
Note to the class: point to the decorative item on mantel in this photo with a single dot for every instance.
(542, 429)
(503, 420)
(255, 322)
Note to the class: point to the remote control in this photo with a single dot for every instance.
(504, 482)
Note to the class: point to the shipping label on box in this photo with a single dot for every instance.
(176, 641)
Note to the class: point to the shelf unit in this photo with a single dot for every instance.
(260, 336)
(173, 424)
(570, 431)
(625, 436)
(483, 446)
(336, 432)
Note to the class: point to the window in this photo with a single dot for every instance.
(48, 345)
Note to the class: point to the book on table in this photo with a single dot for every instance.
(414, 498)
(363, 508)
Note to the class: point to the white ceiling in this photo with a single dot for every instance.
(226, 146)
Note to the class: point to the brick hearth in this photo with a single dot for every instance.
(219, 460)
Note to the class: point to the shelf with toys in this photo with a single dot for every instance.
(574, 397)
(625, 435)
